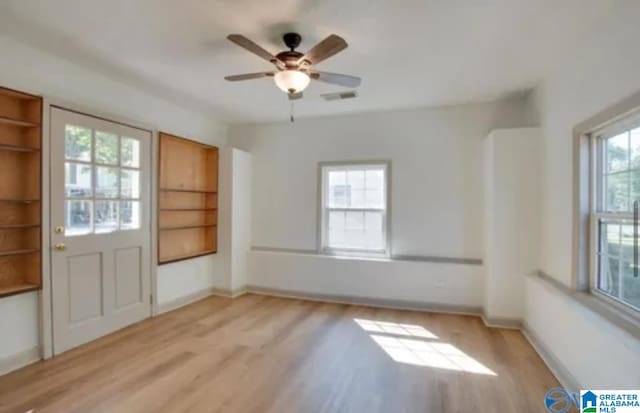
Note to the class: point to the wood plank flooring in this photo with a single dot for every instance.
(266, 354)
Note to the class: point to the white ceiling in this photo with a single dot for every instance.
(409, 53)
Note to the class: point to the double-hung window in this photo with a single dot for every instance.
(354, 205)
(614, 213)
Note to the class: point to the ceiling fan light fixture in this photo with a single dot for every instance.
(291, 81)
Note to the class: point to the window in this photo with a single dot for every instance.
(102, 182)
(354, 208)
(614, 213)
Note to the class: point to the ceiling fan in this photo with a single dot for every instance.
(294, 69)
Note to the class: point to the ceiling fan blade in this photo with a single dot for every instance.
(249, 45)
(336, 79)
(248, 76)
(295, 96)
(324, 50)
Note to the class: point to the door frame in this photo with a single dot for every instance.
(45, 295)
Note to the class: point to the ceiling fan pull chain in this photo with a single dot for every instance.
(291, 118)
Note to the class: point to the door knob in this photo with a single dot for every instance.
(60, 246)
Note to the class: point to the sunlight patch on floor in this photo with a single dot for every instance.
(410, 330)
(415, 345)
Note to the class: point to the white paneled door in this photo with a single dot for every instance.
(100, 235)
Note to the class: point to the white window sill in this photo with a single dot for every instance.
(593, 306)
(375, 258)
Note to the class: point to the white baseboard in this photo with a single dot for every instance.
(230, 293)
(186, 300)
(564, 376)
(501, 322)
(368, 301)
(16, 361)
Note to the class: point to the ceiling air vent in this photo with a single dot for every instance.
(340, 95)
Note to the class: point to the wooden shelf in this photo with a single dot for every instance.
(20, 201)
(198, 191)
(187, 227)
(18, 95)
(18, 122)
(17, 148)
(188, 199)
(167, 260)
(17, 289)
(20, 192)
(17, 226)
(19, 252)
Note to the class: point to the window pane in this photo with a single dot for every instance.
(375, 179)
(339, 193)
(77, 180)
(354, 233)
(336, 229)
(618, 152)
(77, 218)
(106, 182)
(616, 276)
(354, 221)
(635, 187)
(617, 192)
(375, 199)
(355, 179)
(106, 148)
(374, 234)
(77, 143)
(129, 215)
(129, 184)
(635, 148)
(130, 152)
(609, 280)
(630, 285)
(105, 216)
(358, 198)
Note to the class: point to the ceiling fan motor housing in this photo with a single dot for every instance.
(292, 40)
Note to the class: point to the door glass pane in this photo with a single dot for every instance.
(106, 148)
(77, 143)
(77, 180)
(106, 182)
(106, 216)
(129, 215)
(130, 183)
(130, 152)
(77, 217)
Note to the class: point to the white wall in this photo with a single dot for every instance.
(451, 287)
(512, 200)
(596, 353)
(602, 70)
(436, 157)
(436, 199)
(33, 70)
(240, 196)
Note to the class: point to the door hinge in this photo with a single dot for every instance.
(151, 299)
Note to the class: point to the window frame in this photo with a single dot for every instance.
(322, 228)
(596, 139)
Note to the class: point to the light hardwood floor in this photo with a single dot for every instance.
(268, 354)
